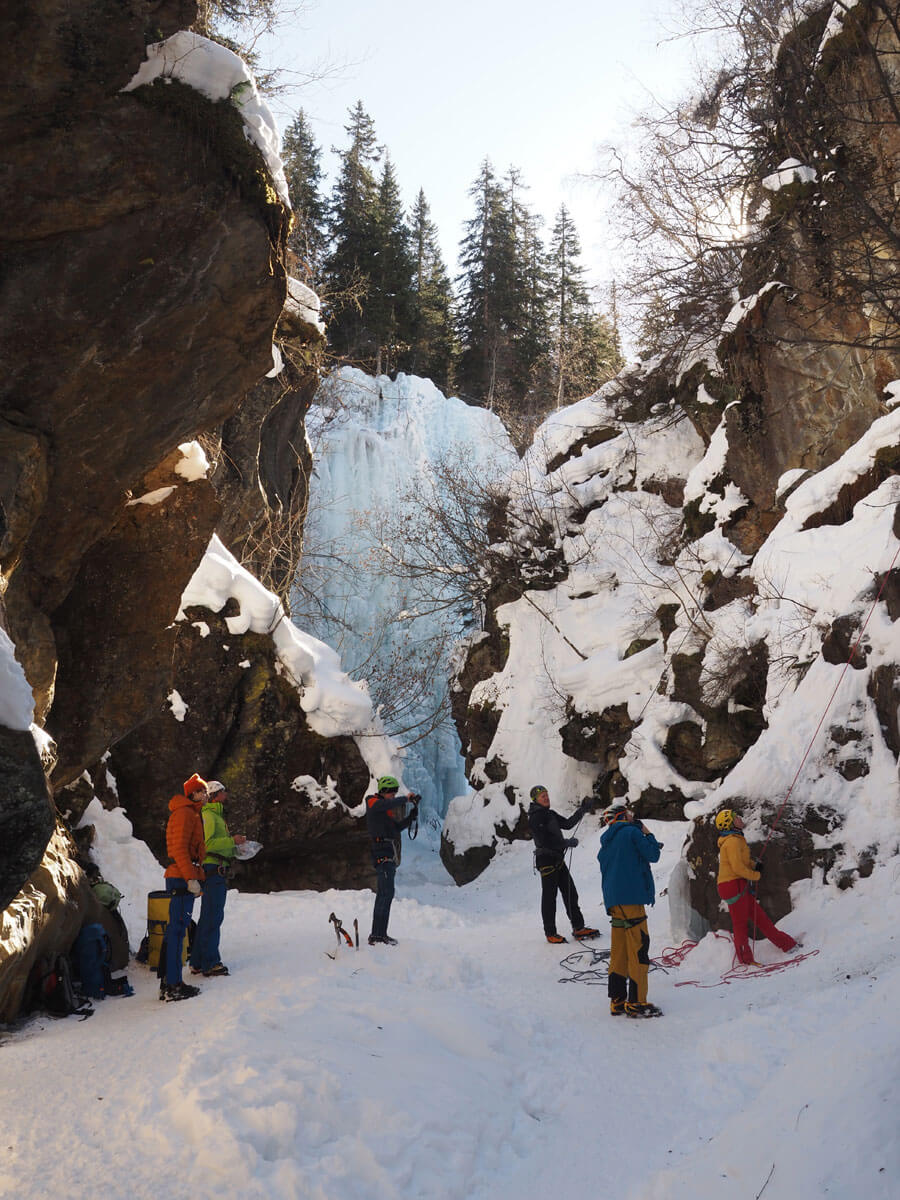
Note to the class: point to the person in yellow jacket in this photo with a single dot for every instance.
(736, 873)
(220, 846)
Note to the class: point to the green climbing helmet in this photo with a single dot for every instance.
(387, 783)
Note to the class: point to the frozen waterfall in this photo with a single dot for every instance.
(386, 453)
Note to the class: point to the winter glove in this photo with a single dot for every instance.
(194, 887)
(571, 843)
(758, 866)
(414, 797)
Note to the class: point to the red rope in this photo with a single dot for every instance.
(736, 971)
(674, 956)
(750, 971)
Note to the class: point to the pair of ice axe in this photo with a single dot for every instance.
(341, 932)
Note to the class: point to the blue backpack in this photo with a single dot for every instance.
(90, 959)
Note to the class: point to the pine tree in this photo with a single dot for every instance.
(586, 350)
(532, 339)
(431, 343)
(388, 312)
(569, 298)
(353, 225)
(301, 157)
(596, 354)
(488, 314)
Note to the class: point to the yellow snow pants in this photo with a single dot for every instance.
(629, 957)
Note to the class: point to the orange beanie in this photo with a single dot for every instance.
(194, 784)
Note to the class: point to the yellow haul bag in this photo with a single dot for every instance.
(157, 920)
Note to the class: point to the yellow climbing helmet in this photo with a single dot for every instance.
(725, 819)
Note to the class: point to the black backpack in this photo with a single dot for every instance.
(52, 990)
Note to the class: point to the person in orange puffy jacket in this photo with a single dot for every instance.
(736, 873)
(186, 849)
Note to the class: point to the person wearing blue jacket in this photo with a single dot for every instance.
(626, 851)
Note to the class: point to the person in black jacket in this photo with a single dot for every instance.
(385, 824)
(549, 857)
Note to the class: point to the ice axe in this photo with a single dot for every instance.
(339, 932)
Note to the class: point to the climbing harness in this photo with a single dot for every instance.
(627, 922)
(380, 856)
(548, 869)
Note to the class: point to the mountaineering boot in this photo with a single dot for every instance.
(375, 940)
(617, 1008)
(583, 934)
(196, 970)
(389, 941)
(178, 991)
(642, 1010)
(554, 939)
(218, 969)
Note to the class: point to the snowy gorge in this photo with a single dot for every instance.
(685, 593)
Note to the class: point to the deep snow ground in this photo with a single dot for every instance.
(457, 1066)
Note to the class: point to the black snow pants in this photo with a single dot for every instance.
(555, 878)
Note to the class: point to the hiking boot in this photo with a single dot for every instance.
(555, 939)
(218, 969)
(583, 934)
(617, 1008)
(384, 940)
(178, 991)
(642, 1010)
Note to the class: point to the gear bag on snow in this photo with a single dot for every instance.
(52, 990)
(91, 958)
(157, 922)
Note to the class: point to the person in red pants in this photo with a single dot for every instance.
(736, 873)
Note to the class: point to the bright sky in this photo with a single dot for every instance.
(535, 85)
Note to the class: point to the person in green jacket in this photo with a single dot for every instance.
(220, 846)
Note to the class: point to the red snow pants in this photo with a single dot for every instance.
(743, 911)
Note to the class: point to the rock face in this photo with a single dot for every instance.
(143, 281)
(44, 918)
(263, 450)
(717, 581)
(26, 811)
(161, 313)
(244, 726)
(114, 633)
